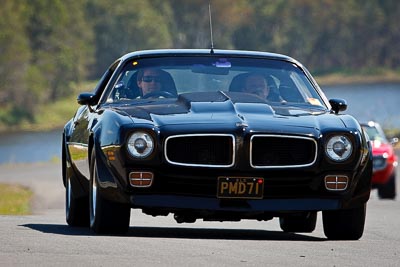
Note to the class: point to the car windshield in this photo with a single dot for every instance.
(375, 133)
(274, 81)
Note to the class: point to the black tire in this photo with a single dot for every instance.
(388, 190)
(344, 224)
(106, 217)
(76, 209)
(301, 223)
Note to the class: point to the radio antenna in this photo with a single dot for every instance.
(211, 31)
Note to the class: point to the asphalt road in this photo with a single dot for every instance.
(44, 239)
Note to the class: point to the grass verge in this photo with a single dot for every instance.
(362, 77)
(15, 200)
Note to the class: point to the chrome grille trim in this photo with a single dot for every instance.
(282, 166)
(233, 156)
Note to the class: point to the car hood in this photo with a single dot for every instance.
(229, 110)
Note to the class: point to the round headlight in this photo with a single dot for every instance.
(140, 145)
(339, 148)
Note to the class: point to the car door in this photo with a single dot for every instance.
(81, 127)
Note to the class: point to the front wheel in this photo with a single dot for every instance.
(76, 208)
(105, 216)
(344, 224)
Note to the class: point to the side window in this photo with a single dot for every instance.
(98, 90)
(126, 87)
(102, 84)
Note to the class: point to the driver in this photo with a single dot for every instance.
(149, 81)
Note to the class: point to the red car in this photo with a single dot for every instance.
(384, 160)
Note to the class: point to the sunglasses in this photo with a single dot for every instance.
(149, 79)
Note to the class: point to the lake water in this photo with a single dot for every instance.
(379, 102)
(28, 147)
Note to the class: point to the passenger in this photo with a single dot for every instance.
(256, 84)
(149, 81)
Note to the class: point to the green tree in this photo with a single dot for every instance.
(191, 24)
(326, 35)
(60, 44)
(124, 26)
(15, 99)
(381, 35)
(47, 45)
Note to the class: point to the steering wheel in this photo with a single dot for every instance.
(159, 94)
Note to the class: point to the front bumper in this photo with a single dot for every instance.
(173, 203)
(177, 188)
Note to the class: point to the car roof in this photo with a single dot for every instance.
(200, 52)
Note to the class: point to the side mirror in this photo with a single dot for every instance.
(338, 105)
(394, 140)
(86, 99)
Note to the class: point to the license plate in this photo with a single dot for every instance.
(240, 187)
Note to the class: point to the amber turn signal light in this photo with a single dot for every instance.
(336, 182)
(141, 179)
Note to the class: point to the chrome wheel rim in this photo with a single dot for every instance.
(68, 197)
(94, 195)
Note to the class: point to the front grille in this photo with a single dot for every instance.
(207, 150)
(276, 151)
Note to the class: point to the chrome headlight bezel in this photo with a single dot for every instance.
(339, 148)
(140, 145)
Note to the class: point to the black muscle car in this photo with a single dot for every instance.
(217, 135)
